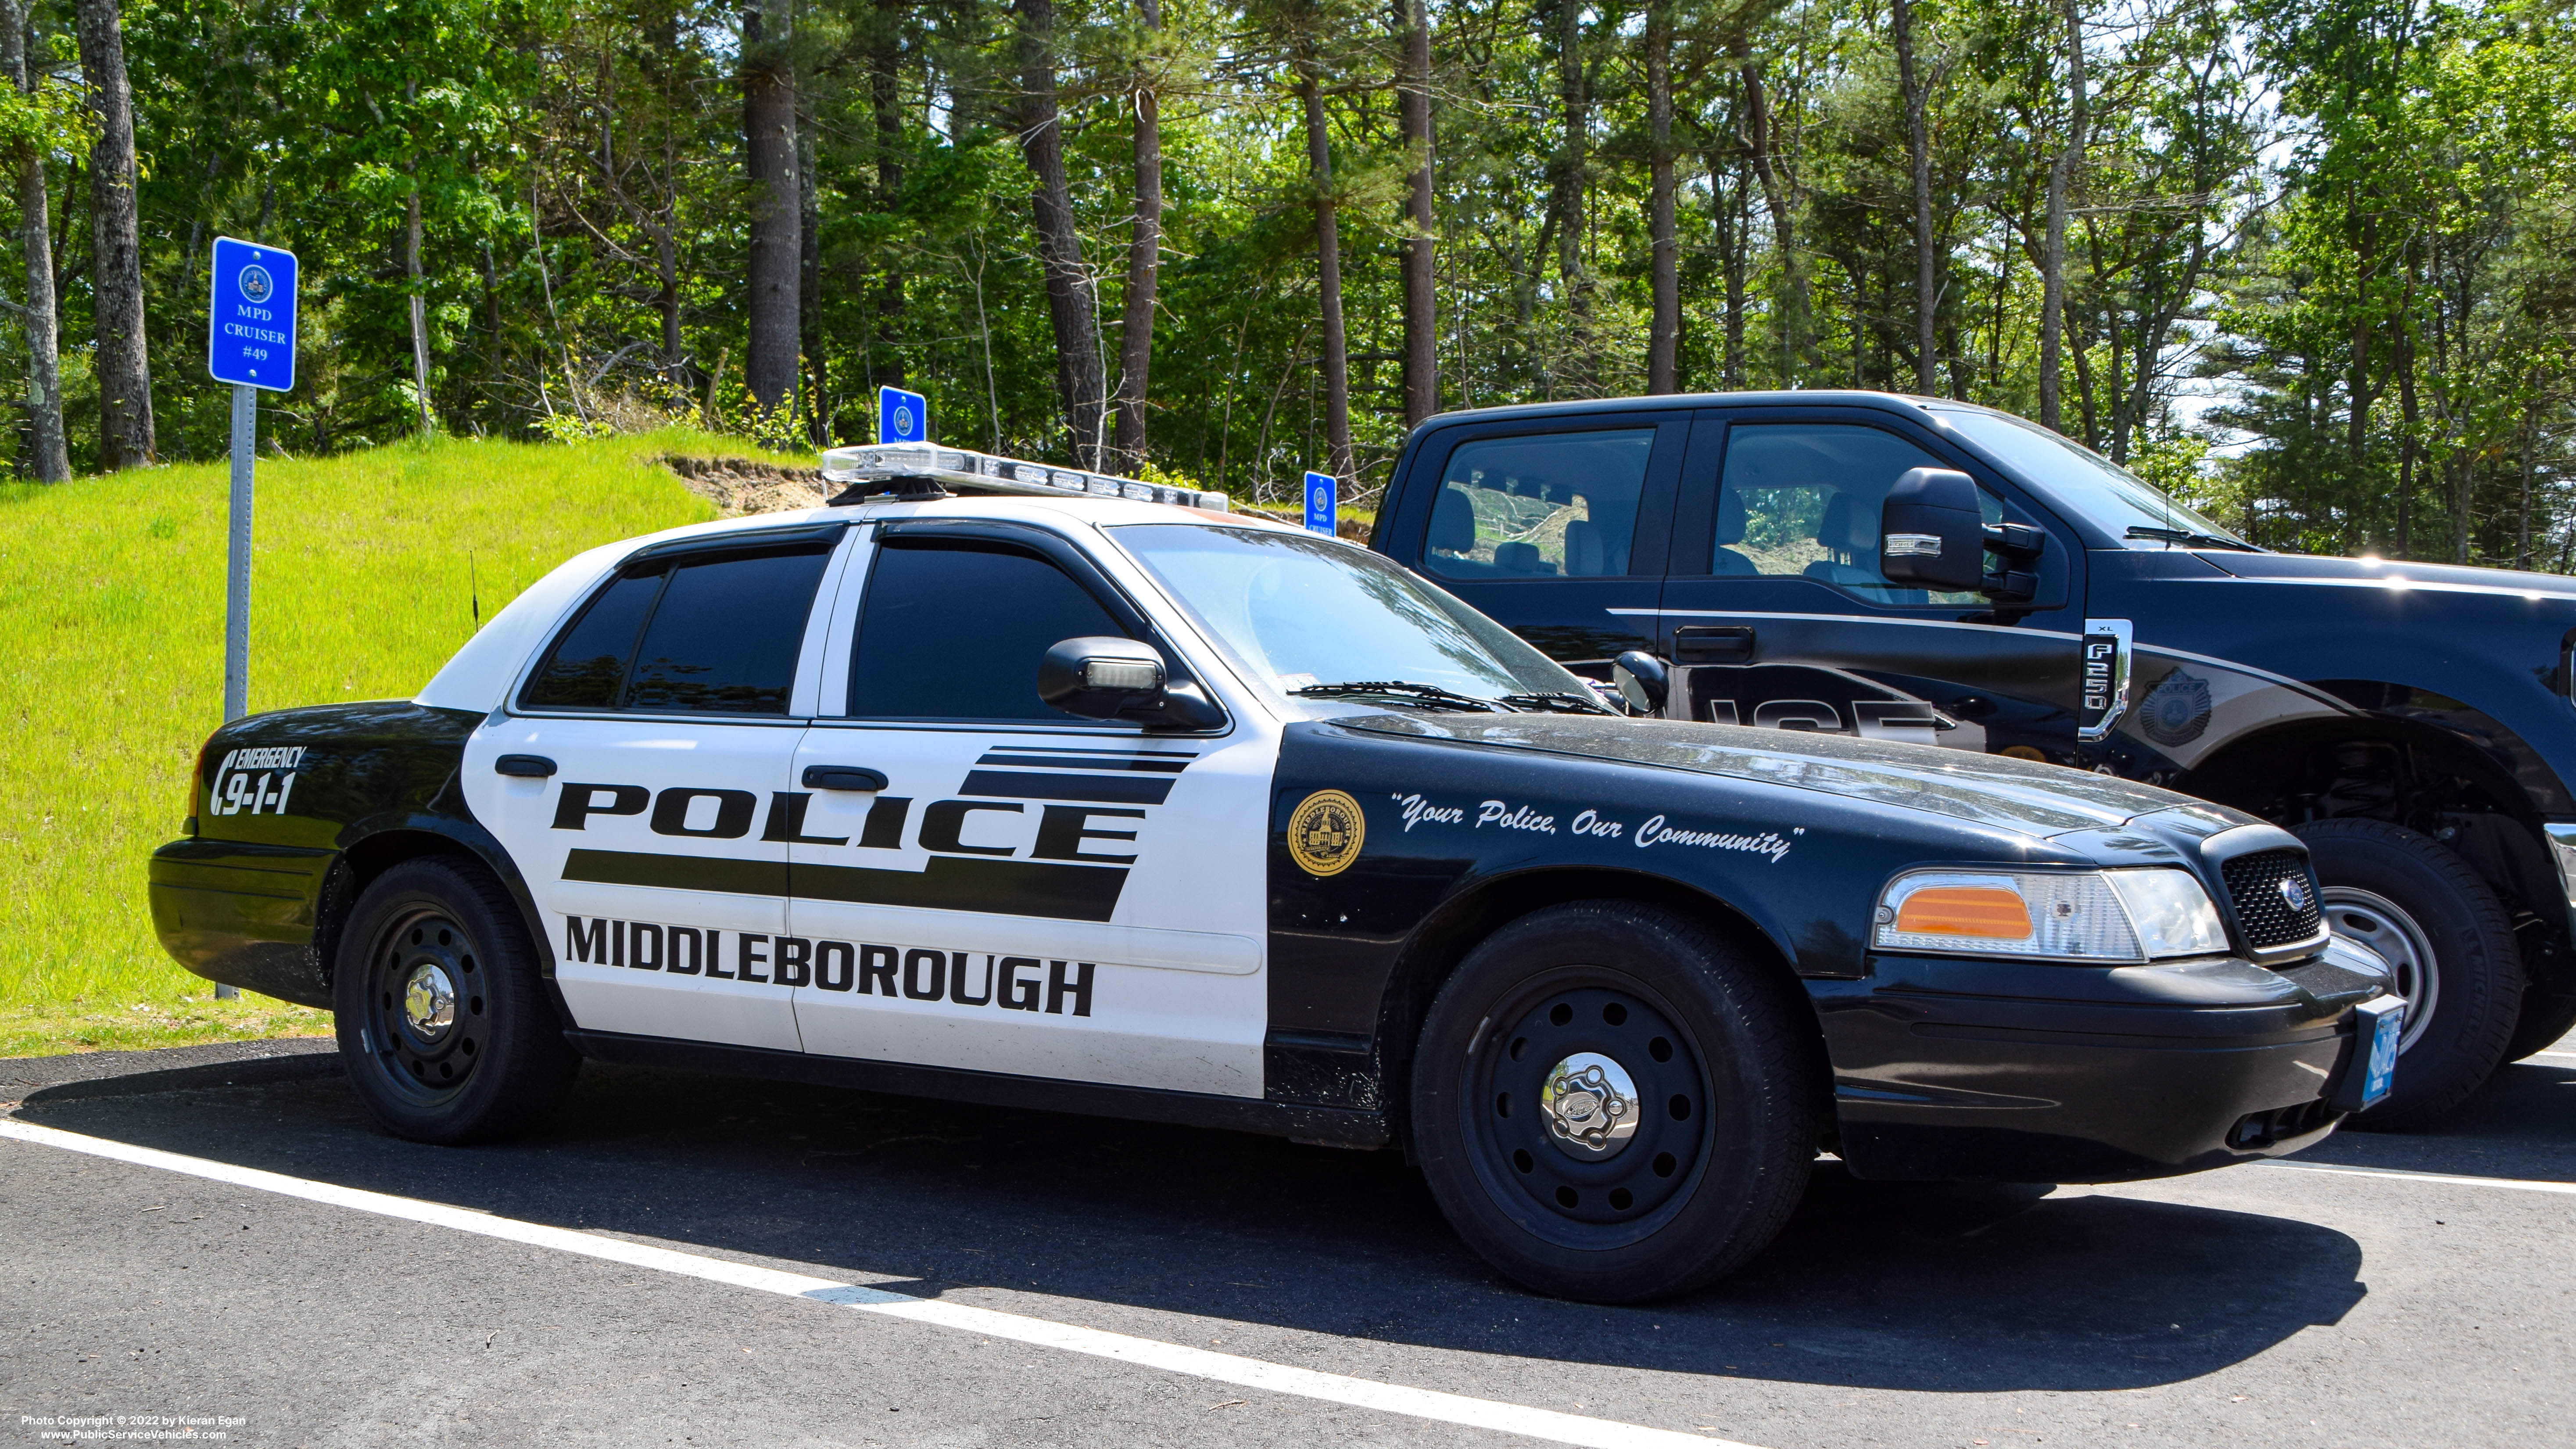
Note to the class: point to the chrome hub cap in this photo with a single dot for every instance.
(2380, 924)
(429, 1001)
(1590, 1104)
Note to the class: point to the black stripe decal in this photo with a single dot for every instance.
(1110, 789)
(951, 883)
(1164, 764)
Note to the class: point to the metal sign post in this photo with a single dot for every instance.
(1323, 493)
(250, 343)
(902, 417)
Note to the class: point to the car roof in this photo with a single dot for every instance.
(1844, 397)
(1065, 513)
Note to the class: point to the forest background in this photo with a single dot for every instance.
(2310, 264)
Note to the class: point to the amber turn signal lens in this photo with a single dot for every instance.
(1986, 912)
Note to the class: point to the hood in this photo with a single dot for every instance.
(1991, 790)
(2392, 574)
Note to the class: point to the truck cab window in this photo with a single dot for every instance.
(1548, 505)
(1801, 500)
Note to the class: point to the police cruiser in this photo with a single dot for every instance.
(980, 784)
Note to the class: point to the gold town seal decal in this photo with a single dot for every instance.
(1324, 835)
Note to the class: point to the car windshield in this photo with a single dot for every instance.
(1305, 613)
(2126, 506)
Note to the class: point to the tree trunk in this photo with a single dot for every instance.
(124, 363)
(1421, 293)
(1071, 303)
(885, 83)
(777, 206)
(1573, 165)
(2052, 261)
(2410, 413)
(1927, 277)
(809, 290)
(1795, 341)
(1328, 266)
(1663, 333)
(420, 311)
(1727, 211)
(1144, 264)
(47, 459)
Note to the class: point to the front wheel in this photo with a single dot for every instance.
(442, 1019)
(1614, 1103)
(2419, 905)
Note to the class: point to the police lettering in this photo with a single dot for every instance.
(916, 973)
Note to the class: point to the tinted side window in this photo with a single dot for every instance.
(1802, 500)
(725, 635)
(954, 630)
(587, 668)
(712, 636)
(1560, 505)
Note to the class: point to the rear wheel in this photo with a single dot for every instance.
(442, 1019)
(2419, 905)
(1613, 1103)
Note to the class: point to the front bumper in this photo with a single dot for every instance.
(1957, 1069)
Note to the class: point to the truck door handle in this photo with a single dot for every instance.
(524, 767)
(1713, 644)
(843, 777)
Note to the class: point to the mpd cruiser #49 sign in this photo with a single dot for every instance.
(1063, 798)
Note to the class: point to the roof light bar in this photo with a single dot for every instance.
(958, 470)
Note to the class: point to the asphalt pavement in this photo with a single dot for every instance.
(1086, 1282)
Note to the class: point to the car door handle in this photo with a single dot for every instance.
(843, 777)
(1713, 644)
(524, 767)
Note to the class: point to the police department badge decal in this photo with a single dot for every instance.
(2177, 710)
(1324, 834)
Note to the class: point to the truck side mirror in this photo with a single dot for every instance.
(1930, 533)
(1105, 677)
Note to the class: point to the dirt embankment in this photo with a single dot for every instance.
(737, 486)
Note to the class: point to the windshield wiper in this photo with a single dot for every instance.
(2197, 540)
(1558, 702)
(1420, 696)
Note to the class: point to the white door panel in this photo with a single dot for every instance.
(1042, 860)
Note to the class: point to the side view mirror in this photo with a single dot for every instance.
(1930, 533)
(1104, 677)
(1642, 681)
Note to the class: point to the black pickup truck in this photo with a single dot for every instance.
(1911, 568)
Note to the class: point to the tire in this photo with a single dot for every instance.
(1723, 1070)
(443, 1022)
(2545, 1019)
(2417, 903)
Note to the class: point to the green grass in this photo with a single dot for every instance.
(111, 643)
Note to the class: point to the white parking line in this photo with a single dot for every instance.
(990, 1323)
(2512, 1184)
(2551, 1057)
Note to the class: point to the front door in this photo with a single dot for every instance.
(650, 754)
(1775, 613)
(984, 882)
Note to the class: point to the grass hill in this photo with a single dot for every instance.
(367, 574)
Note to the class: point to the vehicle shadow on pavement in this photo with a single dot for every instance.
(1909, 1286)
(2522, 1123)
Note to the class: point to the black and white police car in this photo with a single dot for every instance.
(1129, 805)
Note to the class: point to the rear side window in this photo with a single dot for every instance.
(713, 635)
(954, 629)
(1541, 505)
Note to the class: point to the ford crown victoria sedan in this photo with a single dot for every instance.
(1122, 807)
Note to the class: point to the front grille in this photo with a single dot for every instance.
(2268, 915)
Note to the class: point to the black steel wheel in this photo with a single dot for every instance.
(442, 1020)
(1615, 1102)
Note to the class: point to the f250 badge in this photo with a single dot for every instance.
(1325, 832)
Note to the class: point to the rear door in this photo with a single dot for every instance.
(982, 881)
(648, 802)
(1556, 527)
(1775, 613)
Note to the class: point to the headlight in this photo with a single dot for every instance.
(2120, 915)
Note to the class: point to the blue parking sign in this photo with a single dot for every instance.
(902, 417)
(250, 320)
(1322, 492)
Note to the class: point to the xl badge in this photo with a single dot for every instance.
(1324, 834)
